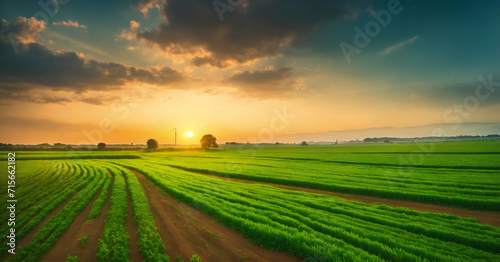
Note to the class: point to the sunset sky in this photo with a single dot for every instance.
(83, 72)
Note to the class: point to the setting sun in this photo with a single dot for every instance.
(190, 134)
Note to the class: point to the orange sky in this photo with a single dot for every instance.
(142, 70)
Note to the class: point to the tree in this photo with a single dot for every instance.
(152, 144)
(304, 143)
(101, 146)
(208, 141)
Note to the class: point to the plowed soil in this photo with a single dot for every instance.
(67, 244)
(186, 231)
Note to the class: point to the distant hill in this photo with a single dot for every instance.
(464, 129)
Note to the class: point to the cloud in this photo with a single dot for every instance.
(99, 100)
(69, 23)
(398, 46)
(33, 98)
(130, 34)
(460, 92)
(448, 95)
(144, 5)
(256, 29)
(23, 30)
(36, 67)
(270, 82)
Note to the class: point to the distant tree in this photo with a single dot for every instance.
(152, 144)
(68, 148)
(101, 146)
(208, 141)
(304, 143)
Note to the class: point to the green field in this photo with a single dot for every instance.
(55, 188)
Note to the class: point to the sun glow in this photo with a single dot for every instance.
(190, 134)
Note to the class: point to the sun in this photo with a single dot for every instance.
(190, 134)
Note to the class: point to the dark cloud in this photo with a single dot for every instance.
(70, 71)
(270, 82)
(34, 66)
(99, 100)
(481, 93)
(33, 98)
(458, 93)
(24, 30)
(255, 29)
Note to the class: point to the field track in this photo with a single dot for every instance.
(184, 229)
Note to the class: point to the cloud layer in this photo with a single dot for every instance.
(270, 82)
(23, 30)
(69, 23)
(255, 29)
(31, 65)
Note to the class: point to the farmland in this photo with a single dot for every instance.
(259, 202)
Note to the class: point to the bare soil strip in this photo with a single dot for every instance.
(68, 245)
(485, 217)
(186, 231)
(135, 252)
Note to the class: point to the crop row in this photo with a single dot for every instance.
(328, 228)
(150, 242)
(27, 195)
(482, 197)
(114, 242)
(98, 205)
(47, 236)
(29, 219)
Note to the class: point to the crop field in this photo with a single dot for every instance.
(370, 202)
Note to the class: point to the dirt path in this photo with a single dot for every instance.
(485, 217)
(135, 253)
(67, 243)
(186, 231)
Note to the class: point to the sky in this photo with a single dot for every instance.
(84, 72)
